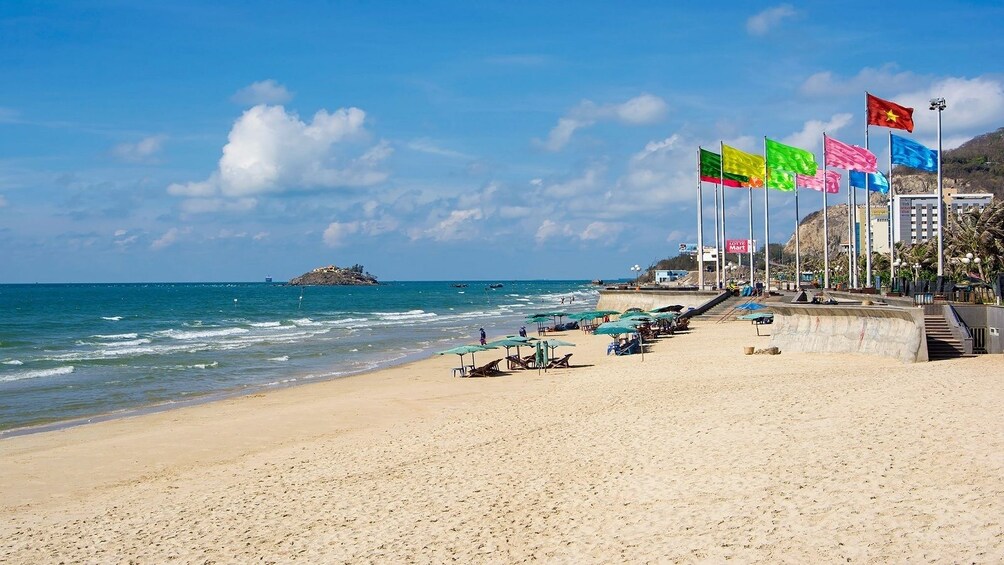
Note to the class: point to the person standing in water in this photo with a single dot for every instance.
(483, 336)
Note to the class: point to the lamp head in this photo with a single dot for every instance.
(938, 104)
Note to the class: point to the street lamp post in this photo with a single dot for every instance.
(938, 105)
(916, 273)
(636, 269)
(895, 267)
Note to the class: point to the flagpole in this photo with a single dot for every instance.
(700, 225)
(826, 228)
(892, 227)
(798, 259)
(750, 187)
(941, 197)
(718, 253)
(721, 184)
(851, 263)
(868, 213)
(766, 223)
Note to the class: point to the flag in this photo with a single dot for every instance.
(787, 158)
(711, 168)
(850, 157)
(743, 163)
(780, 180)
(816, 182)
(889, 114)
(876, 181)
(912, 154)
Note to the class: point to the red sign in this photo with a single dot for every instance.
(737, 246)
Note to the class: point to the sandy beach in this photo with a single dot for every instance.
(694, 453)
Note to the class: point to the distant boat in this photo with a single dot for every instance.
(459, 285)
(597, 282)
(495, 285)
(268, 279)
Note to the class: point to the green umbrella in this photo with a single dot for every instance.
(615, 328)
(588, 315)
(462, 350)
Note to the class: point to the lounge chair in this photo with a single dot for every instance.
(489, 370)
(518, 363)
(629, 348)
(563, 362)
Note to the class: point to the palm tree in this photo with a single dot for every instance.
(980, 232)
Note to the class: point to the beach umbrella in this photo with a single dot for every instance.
(673, 308)
(462, 350)
(756, 316)
(639, 316)
(556, 343)
(587, 315)
(750, 306)
(509, 341)
(615, 328)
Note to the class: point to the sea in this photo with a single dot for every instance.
(78, 353)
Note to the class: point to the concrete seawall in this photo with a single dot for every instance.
(621, 300)
(874, 330)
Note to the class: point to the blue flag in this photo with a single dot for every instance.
(912, 154)
(876, 181)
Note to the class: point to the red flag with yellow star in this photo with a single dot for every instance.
(889, 114)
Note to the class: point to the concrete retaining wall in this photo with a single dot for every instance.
(621, 300)
(874, 330)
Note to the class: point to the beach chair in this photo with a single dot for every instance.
(489, 370)
(563, 362)
(518, 363)
(629, 348)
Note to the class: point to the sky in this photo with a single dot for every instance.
(474, 140)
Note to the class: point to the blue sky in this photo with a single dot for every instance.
(435, 140)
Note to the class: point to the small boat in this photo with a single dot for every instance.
(495, 285)
(459, 285)
(597, 282)
(268, 279)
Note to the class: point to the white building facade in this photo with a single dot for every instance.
(915, 216)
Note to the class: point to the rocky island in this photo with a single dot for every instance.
(332, 275)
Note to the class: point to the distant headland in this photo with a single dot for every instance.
(332, 275)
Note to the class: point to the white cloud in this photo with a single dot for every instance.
(262, 92)
(825, 84)
(590, 182)
(764, 22)
(270, 150)
(209, 205)
(3, 201)
(143, 150)
(335, 233)
(599, 230)
(455, 226)
(425, 145)
(974, 106)
(260, 236)
(549, 229)
(640, 110)
(169, 238)
(810, 137)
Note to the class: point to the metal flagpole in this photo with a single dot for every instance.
(851, 208)
(752, 264)
(766, 224)
(798, 257)
(721, 186)
(826, 227)
(718, 252)
(700, 225)
(941, 201)
(868, 217)
(892, 227)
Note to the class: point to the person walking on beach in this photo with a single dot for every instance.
(483, 336)
(522, 331)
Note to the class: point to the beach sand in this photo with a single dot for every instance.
(696, 453)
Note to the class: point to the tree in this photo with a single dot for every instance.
(978, 232)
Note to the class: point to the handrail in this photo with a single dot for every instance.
(958, 328)
(707, 305)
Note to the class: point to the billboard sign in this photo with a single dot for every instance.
(737, 246)
(688, 249)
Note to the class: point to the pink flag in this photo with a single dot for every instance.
(816, 182)
(850, 157)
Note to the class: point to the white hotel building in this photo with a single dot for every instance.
(915, 216)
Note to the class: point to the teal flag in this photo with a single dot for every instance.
(912, 154)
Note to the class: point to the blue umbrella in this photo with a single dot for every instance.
(750, 306)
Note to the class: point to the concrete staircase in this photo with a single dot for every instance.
(941, 343)
(725, 309)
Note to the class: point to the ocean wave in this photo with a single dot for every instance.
(220, 332)
(266, 324)
(116, 336)
(409, 315)
(111, 318)
(66, 370)
(13, 362)
(305, 322)
(280, 358)
(346, 321)
(204, 365)
(129, 343)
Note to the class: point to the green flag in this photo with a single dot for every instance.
(787, 158)
(711, 171)
(780, 180)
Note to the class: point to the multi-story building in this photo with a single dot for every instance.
(915, 216)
